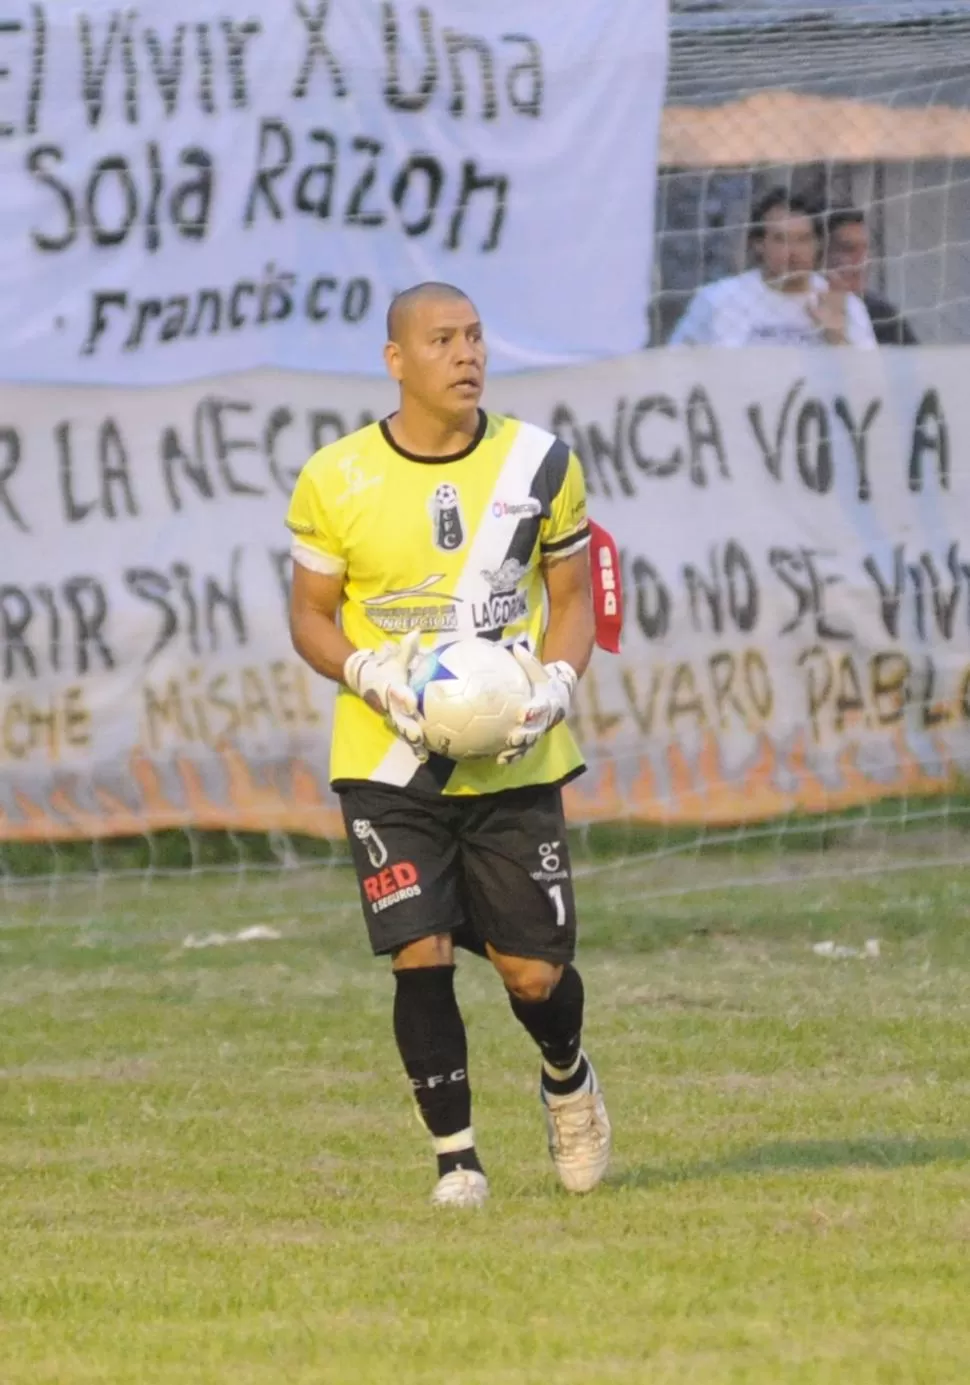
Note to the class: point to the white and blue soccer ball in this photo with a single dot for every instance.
(470, 694)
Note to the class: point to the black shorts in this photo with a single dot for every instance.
(493, 869)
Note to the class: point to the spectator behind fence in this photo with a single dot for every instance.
(781, 302)
(845, 238)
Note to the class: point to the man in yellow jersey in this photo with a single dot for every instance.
(444, 522)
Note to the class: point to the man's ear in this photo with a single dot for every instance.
(392, 359)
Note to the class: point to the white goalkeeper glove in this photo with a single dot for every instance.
(380, 677)
(553, 686)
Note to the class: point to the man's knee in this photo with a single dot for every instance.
(526, 978)
(436, 951)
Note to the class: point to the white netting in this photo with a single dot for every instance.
(853, 103)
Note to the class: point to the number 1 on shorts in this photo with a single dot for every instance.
(555, 894)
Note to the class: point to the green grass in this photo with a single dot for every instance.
(210, 1172)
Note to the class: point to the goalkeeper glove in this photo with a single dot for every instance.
(553, 686)
(380, 677)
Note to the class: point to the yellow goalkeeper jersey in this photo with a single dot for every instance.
(452, 546)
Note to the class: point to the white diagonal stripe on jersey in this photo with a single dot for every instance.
(494, 534)
(398, 766)
(488, 548)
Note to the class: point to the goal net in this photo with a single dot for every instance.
(857, 112)
(862, 103)
(792, 699)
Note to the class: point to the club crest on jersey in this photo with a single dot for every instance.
(448, 531)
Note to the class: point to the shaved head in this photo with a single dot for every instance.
(435, 350)
(403, 304)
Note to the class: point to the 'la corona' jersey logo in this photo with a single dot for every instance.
(448, 530)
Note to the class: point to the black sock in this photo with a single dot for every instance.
(431, 1039)
(556, 1024)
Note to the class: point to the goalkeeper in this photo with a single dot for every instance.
(409, 529)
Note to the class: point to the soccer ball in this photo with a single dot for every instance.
(470, 694)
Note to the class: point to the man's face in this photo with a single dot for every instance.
(788, 247)
(439, 357)
(847, 261)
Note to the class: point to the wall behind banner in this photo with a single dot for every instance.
(793, 528)
(202, 186)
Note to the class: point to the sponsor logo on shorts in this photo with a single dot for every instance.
(550, 863)
(365, 833)
(391, 886)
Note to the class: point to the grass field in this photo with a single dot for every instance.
(210, 1171)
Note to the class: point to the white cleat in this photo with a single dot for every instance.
(461, 1188)
(580, 1135)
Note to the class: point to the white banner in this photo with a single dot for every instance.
(193, 187)
(793, 528)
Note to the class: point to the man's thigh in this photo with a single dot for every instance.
(405, 851)
(518, 880)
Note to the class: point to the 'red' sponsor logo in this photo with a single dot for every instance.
(391, 885)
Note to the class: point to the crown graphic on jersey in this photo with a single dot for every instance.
(506, 578)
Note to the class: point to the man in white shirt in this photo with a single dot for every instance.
(782, 302)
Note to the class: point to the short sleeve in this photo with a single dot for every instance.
(566, 529)
(315, 543)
